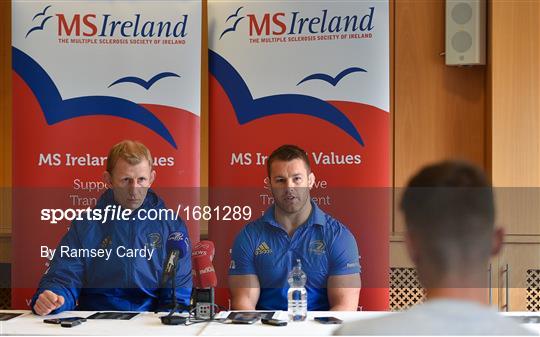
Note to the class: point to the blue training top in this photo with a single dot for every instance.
(324, 246)
(119, 282)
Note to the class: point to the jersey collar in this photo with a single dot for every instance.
(317, 217)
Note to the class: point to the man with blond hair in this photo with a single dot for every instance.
(113, 263)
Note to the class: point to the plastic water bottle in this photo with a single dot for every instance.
(297, 295)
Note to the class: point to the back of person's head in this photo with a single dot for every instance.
(449, 214)
(287, 153)
(131, 151)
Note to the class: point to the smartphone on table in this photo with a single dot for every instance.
(245, 318)
(274, 322)
(66, 322)
(328, 320)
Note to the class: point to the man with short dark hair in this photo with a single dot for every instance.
(450, 214)
(125, 269)
(294, 228)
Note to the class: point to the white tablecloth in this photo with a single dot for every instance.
(149, 324)
(146, 323)
(309, 327)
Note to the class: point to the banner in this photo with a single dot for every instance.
(314, 74)
(86, 75)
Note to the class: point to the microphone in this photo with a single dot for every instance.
(177, 247)
(204, 280)
(204, 272)
(201, 248)
(204, 247)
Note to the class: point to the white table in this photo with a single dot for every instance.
(309, 327)
(147, 323)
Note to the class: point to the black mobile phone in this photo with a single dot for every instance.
(328, 320)
(64, 320)
(272, 321)
(71, 324)
(245, 318)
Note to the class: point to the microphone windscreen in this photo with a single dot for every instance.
(178, 241)
(204, 247)
(205, 270)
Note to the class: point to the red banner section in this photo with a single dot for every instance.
(316, 75)
(356, 194)
(76, 94)
(50, 159)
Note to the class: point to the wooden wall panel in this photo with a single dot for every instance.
(514, 97)
(520, 258)
(5, 249)
(439, 110)
(399, 257)
(515, 93)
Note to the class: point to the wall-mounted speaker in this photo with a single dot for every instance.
(465, 32)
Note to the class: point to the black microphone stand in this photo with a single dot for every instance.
(171, 319)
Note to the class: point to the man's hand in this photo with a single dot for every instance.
(48, 301)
